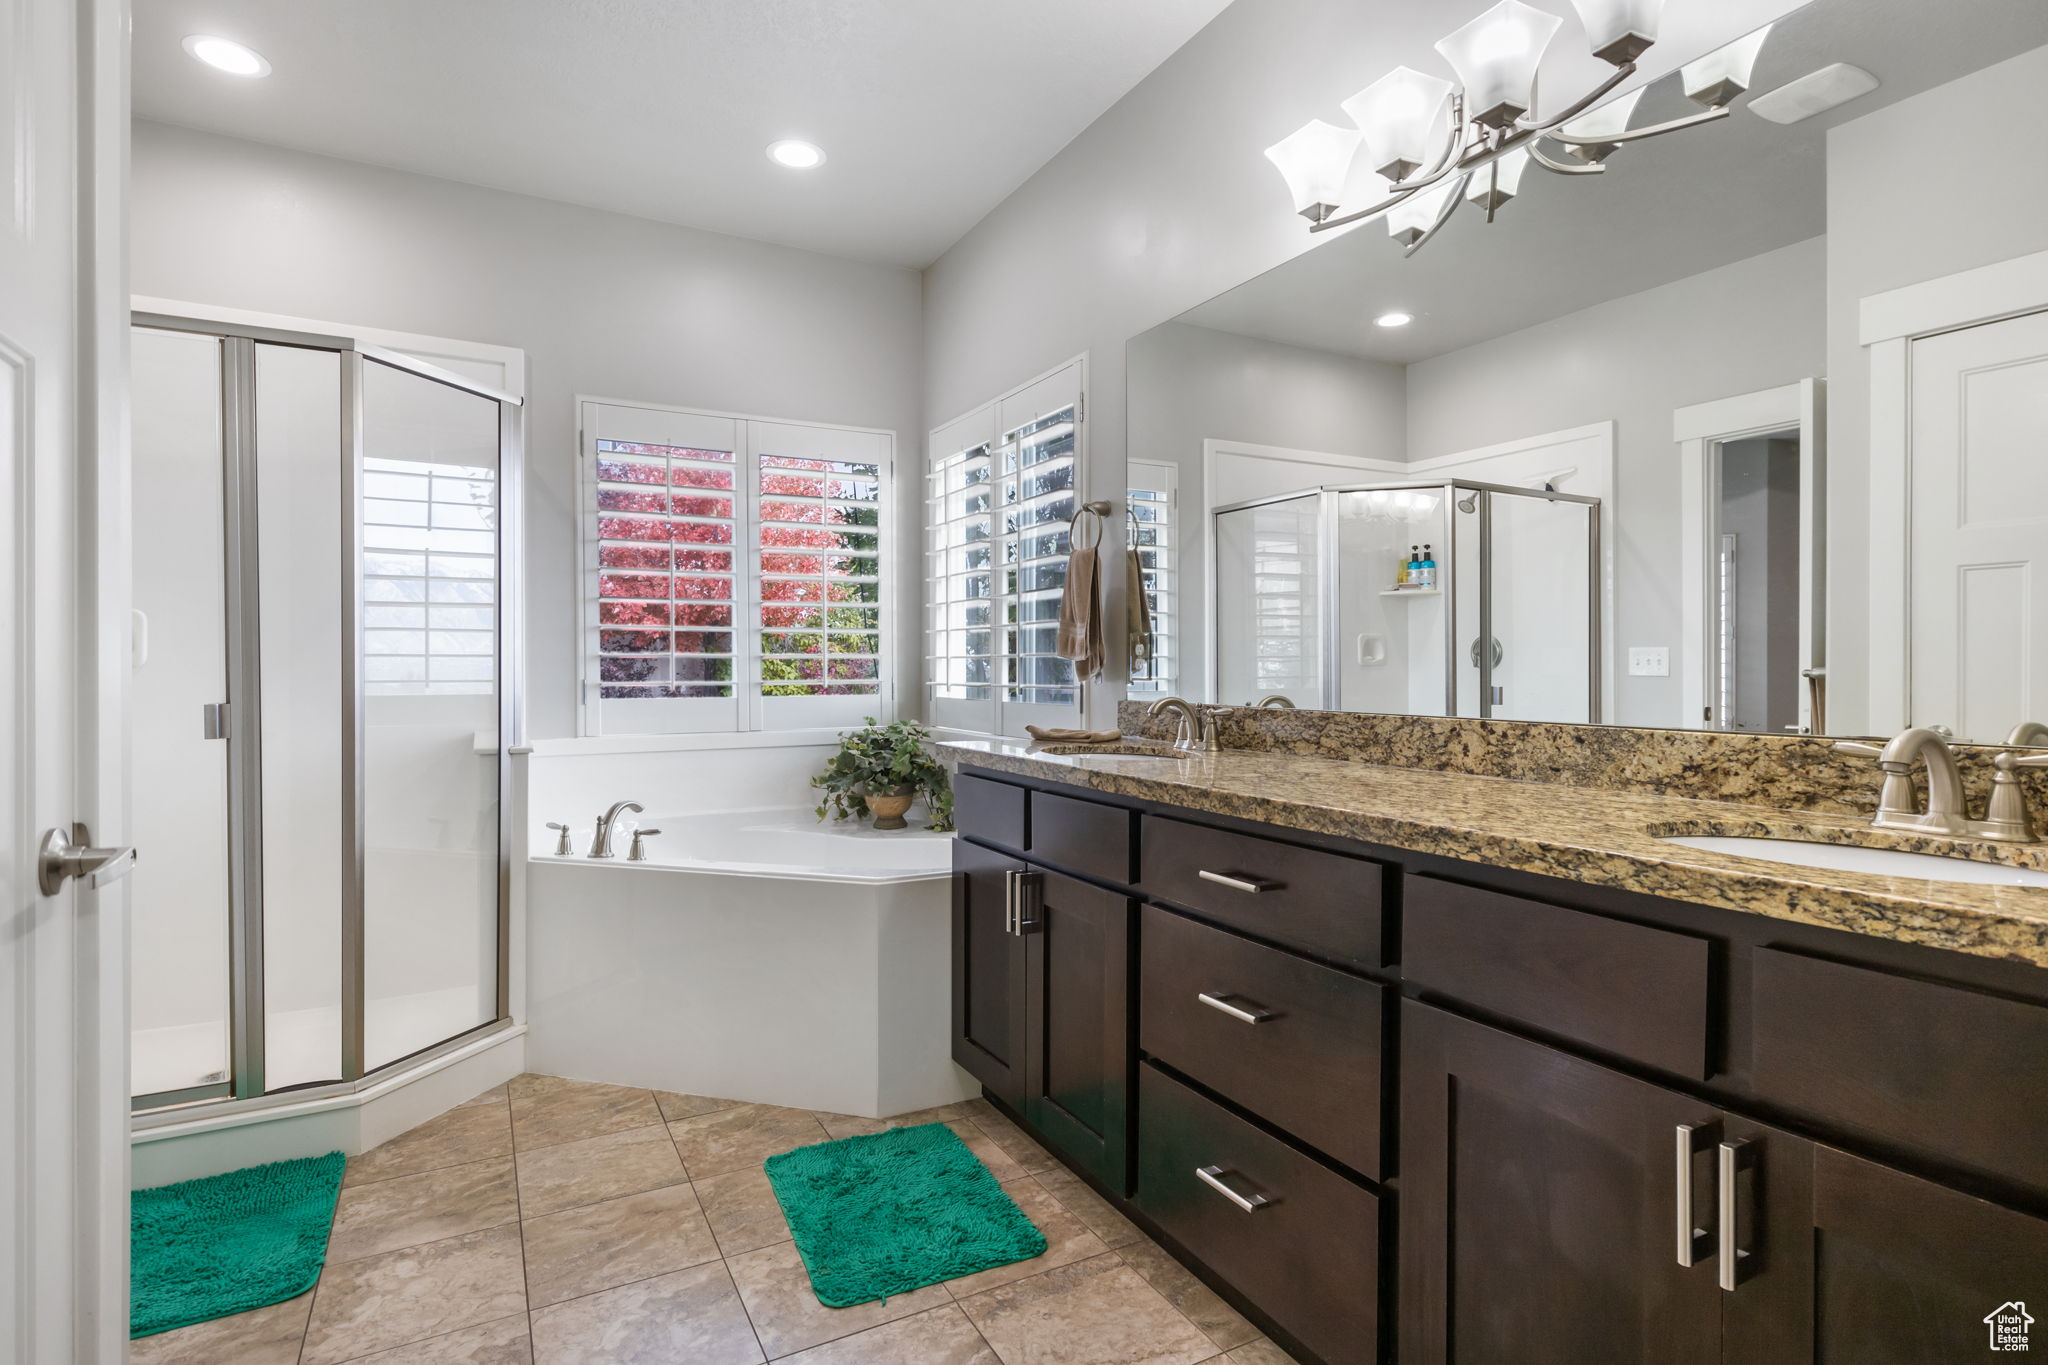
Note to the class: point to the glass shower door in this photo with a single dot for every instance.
(1269, 617)
(1540, 578)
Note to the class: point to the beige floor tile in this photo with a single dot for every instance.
(503, 1342)
(262, 1336)
(941, 1336)
(1196, 1301)
(675, 1106)
(851, 1125)
(602, 1246)
(362, 1307)
(742, 1209)
(567, 1111)
(497, 1094)
(1066, 1241)
(470, 1133)
(1015, 1144)
(691, 1316)
(1095, 1312)
(572, 1174)
(1260, 1352)
(785, 1309)
(999, 1162)
(1096, 1214)
(411, 1210)
(744, 1135)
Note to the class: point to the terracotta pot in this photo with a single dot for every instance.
(888, 808)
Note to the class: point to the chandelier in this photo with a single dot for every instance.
(1492, 133)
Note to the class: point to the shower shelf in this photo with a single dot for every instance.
(1411, 592)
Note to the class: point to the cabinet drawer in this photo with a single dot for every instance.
(1311, 1062)
(1088, 837)
(1323, 903)
(1307, 1251)
(1961, 1075)
(989, 810)
(1630, 990)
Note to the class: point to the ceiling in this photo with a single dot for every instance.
(1665, 210)
(930, 111)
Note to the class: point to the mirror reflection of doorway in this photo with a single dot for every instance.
(1756, 583)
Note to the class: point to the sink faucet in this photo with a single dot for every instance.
(601, 842)
(1277, 701)
(1195, 729)
(2006, 818)
(2027, 734)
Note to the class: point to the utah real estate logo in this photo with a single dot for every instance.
(2008, 1324)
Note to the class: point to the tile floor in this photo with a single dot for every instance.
(555, 1222)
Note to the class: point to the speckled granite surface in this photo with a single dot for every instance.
(1598, 836)
(1784, 772)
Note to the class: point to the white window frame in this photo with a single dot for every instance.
(1062, 386)
(748, 436)
(1159, 476)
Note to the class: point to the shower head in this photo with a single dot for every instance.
(1469, 503)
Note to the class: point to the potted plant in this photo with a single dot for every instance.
(879, 770)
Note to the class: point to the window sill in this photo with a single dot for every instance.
(588, 745)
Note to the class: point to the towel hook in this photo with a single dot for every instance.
(1098, 508)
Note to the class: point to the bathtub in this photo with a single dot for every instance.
(756, 955)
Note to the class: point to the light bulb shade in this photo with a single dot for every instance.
(1397, 113)
(1717, 78)
(1414, 216)
(1619, 31)
(1496, 56)
(1315, 159)
(1492, 186)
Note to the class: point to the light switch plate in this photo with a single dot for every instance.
(1649, 661)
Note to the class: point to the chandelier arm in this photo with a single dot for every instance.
(1443, 216)
(1659, 129)
(1549, 163)
(1447, 161)
(1544, 125)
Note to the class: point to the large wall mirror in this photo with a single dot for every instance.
(1719, 436)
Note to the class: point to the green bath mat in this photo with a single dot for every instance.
(881, 1215)
(202, 1249)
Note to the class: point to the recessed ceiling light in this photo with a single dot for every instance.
(796, 154)
(1397, 318)
(225, 54)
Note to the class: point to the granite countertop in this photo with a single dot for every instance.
(1598, 837)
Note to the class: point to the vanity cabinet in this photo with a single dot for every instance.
(990, 988)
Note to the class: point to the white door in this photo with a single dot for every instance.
(1977, 637)
(63, 663)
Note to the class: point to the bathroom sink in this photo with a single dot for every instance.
(1881, 862)
(1111, 751)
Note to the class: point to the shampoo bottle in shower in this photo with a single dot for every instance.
(1428, 568)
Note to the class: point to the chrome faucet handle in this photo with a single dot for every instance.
(638, 852)
(2007, 818)
(562, 849)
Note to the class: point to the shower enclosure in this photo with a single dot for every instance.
(324, 699)
(1309, 600)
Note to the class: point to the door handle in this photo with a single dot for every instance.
(1735, 1167)
(61, 858)
(1695, 1243)
(1030, 900)
(1212, 1176)
(1220, 1001)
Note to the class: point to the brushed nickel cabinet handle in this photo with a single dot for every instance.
(1694, 1242)
(1212, 1176)
(1220, 1001)
(1009, 901)
(1737, 1161)
(1030, 900)
(1254, 885)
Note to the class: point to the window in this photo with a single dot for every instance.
(737, 572)
(999, 498)
(429, 577)
(1150, 526)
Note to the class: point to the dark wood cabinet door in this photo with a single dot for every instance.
(989, 966)
(1843, 1261)
(1538, 1221)
(1077, 1074)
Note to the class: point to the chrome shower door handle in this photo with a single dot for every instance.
(1212, 1176)
(63, 857)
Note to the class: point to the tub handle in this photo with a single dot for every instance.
(638, 852)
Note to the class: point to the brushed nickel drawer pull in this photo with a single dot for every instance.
(1695, 1243)
(1220, 1001)
(1737, 1161)
(1212, 1176)
(1253, 885)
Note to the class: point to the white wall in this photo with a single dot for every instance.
(1990, 205)
(602, 304)
(1752, 325)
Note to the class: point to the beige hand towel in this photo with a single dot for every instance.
(1080, 632)
(1054, 735)
(1137, 611)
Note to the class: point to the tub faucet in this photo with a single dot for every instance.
(1275, 701)
(601, 841)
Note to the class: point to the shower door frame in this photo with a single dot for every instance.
(245, 1089)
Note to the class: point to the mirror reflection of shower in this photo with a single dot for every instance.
(1374, 597)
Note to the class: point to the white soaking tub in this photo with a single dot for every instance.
(755, 955)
